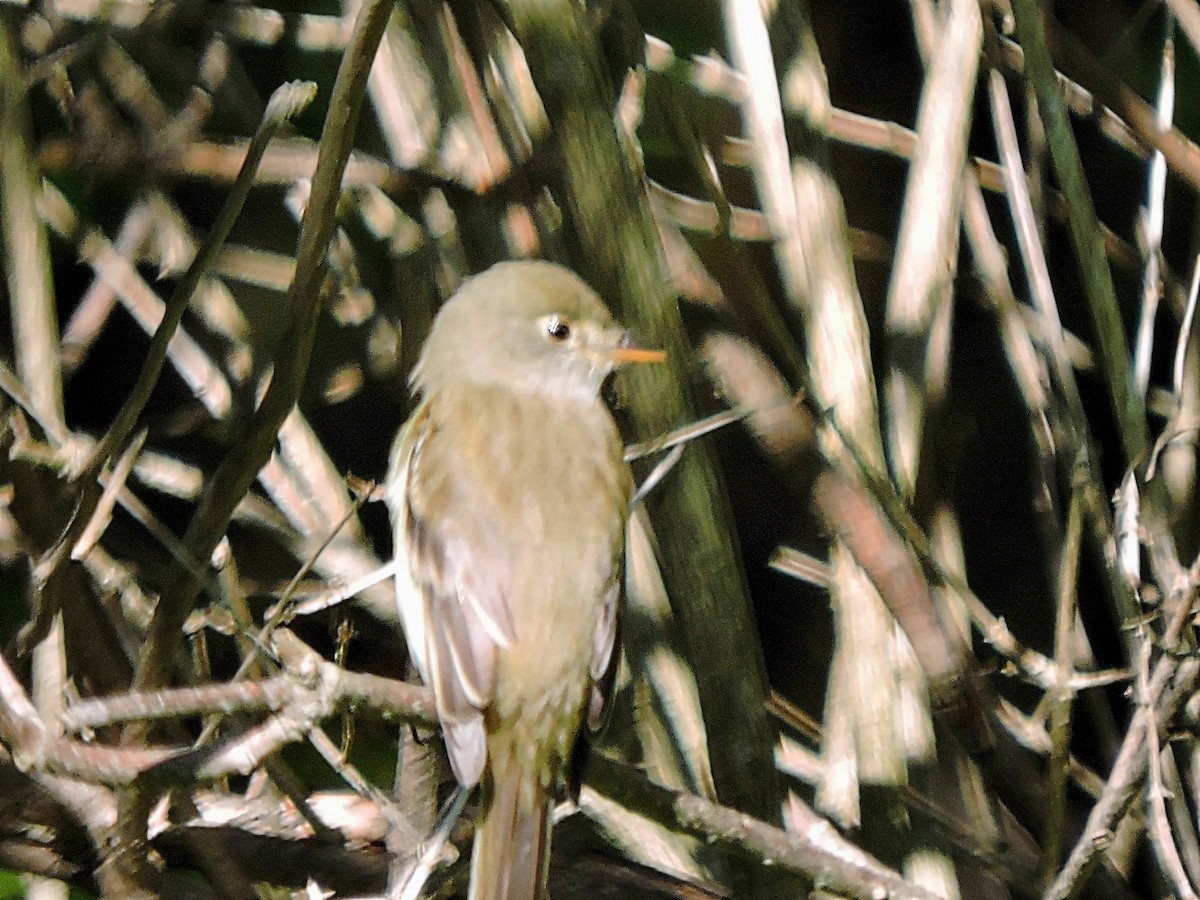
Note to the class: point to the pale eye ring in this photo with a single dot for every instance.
(558, 329)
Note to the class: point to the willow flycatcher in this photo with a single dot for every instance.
(508, 494)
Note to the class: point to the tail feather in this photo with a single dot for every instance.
(511, 856)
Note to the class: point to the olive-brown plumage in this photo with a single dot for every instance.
(508, 494)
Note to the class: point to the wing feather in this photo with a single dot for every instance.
(452, 605)
(410, 598)
(603, 666)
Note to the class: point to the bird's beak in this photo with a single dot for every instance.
(628, 350)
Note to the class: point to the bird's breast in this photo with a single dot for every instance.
(544, 472)
(548, 495)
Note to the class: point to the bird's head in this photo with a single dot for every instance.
(527, 326)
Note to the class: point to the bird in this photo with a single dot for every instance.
(508, 495)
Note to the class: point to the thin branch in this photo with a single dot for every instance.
(927, 246)
(26, 250)
(1172, 681)
(1085, 234)
(287, 102)
(235, 475)
(821, 856)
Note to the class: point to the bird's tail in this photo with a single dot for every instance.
(511, 857)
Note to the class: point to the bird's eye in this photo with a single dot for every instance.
(558, 329)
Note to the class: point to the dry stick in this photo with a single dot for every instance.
(821, 861)
(261, 640)
(707, 216)
(992, 262)
(194, 366)
(61, 455)
(815, 266)
(433, 847)
(921, 286)
(1187, 15)
(725, 219)
(1038, 275)
(804, 213)
(762, 114)
(854, 516)
(1170, 684)
(1161, 839)
(286, 102)
(33, 747)
(1178, 424)
(801, 566)
(1036, 668)
(941, 193)
(403, 833)
(894, 139)
(1081, 101)
(287, 160)
(131, 87)
(687, 433)
(311, 692)
(1024, 359)
(1061, 699)
(402, 94)
(48, 675)
(966, 838)
(34, 322)
(1037, 272)
(1153, 227)
(239, 696)
(56, 431)
(304, 484)
(1130, 764)
(333, 681)
(1185, 331)
(237, 472)
(26, 252)
(993, 629)
(102, 514)
(1031, 734)
(1183, 156)
(711, 76)
(831, 863)
(290, 159)
(389, 697)
(1127, 404)
(92, 312)
(332, 687)
(1181, 828)
(890, 561)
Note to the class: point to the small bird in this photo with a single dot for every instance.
(508, 494)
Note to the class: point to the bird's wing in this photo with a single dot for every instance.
(603, 667)
(452, 603)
